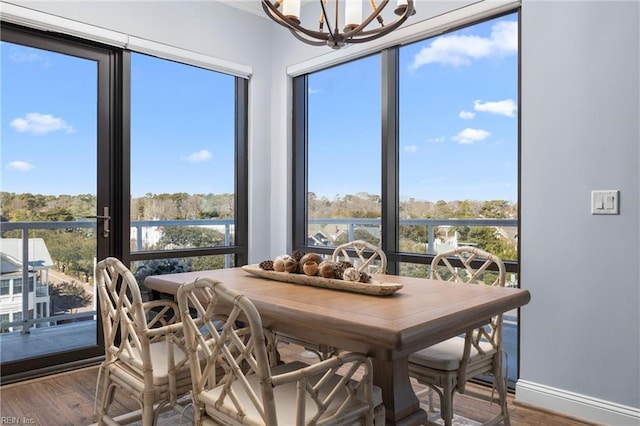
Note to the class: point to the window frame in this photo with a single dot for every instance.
(239, 250)
(115, 178)
(390, 146)
(390, 156)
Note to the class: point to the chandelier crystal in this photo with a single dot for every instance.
(354, 28)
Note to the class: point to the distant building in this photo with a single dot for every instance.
(11, 281)
(318, 238)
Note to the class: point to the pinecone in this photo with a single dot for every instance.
(339, 268)
(267, 265)
(297, 255)
(364, 277)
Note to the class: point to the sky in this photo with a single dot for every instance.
(458, 122)
(458, 119)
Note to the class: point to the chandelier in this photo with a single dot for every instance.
(354, 27)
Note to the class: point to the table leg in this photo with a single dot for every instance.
(402, 405)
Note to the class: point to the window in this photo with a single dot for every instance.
(4, 287)
(174, 206)
(416, 148)
(343, 174)
(183, 123)
(458, 140)
(4, 318)
(449, 114)
(17, 286)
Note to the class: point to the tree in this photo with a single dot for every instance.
(69, 296)
(57, 214)
(189, 236)
(205, 263)
(364, 235)
(160, 267)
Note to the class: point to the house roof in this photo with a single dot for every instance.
(11, 255)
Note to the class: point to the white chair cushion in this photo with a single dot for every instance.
(446, 356)
(159, 352)
(285, 398)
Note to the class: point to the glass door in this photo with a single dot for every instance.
(55, 186)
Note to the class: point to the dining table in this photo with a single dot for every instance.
(388, 328)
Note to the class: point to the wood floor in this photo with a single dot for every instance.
(68, 399)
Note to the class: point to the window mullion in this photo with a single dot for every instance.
(390, 157)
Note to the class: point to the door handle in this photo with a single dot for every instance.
(105, 221)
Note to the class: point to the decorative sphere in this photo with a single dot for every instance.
(310, 268)
(278, 265)
(291, 265)
(351, 274)
(325, 269)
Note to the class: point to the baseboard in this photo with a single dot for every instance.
(576, 405)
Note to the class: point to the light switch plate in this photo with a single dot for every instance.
(605, 202)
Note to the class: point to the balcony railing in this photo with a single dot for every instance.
(33, 346)
(430, 224)
(352, 224)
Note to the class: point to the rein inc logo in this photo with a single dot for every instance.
(15, 420)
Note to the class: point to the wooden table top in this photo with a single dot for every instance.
(422, 313)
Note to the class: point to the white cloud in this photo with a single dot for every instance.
(466, 115)
(21, 56)
(313, 91)
(506, 107)
(458, 50)
(439, 139)
(411, 148)
(40, 124)
(469, 135)
(198, 157)
(21, 166)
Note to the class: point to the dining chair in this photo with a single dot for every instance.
(446, 367)
(364, 256)
(144, 346)
(237, 381)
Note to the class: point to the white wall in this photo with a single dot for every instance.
(580, 335)
(580, 131)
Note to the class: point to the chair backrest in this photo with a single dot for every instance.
(475, 267)
(234, 345)
(368, 258)
(127, 329)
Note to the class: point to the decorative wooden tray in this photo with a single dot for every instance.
(373, 287)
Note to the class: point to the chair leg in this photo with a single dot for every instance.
(430, 399)
(446, 403)
(379, 415)
(148, 413)
(501, 386)
(108, 391)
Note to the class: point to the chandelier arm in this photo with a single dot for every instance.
(332, 34)
(336, 26)
(334, 38)
(322, 18)
(278, 17)
(367, 21)
(365, 36)
(409, 10)
(306, 40)
(373, 34)
(373, 6)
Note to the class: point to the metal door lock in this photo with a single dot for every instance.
(105, 221)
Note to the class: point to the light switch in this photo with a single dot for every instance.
(605, 202)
